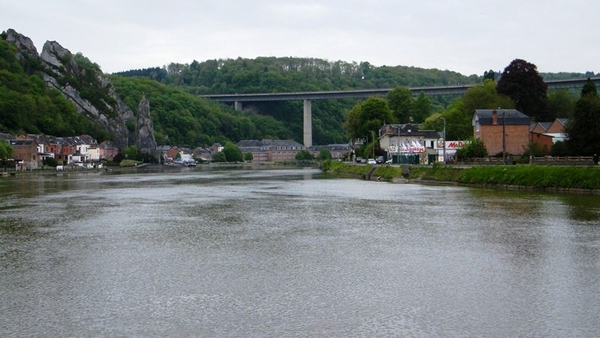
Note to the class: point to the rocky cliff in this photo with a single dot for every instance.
(92, 93)
(144, 131)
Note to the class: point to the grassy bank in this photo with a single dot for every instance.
(535, 177)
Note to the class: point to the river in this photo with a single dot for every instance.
(292, 253)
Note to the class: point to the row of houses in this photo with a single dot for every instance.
(511, 131)
(30, 150)
(504, 130)
(183, 155)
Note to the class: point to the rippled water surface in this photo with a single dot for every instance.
(292, 253)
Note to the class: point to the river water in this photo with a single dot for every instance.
(292, 253)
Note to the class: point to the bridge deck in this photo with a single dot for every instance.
(382, 92)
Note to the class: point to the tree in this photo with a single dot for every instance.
(248, 157)
(589, 89)
(218, 157)
(367, 117)
(583, 129)
(559, 149)
(6, 152)
(400, 101)
(351, 123)
(459, 114)
(304, 155)
(324, 155)
(475, 148)
(458, 123)
(421, 108)
(485, 96)
(524, 85)
(131, 153)
(491, 75)
(232, 153)
(562, 104)
(51, 162)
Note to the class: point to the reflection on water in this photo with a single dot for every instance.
(292, 253)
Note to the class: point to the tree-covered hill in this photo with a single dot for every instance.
(27, 105)
(183, 119)
(288, 74)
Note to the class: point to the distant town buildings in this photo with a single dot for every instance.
(30, 150)
(269, 150)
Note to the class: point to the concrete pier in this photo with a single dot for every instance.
(307, 123)
(238, 105)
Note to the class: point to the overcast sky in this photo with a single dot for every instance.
(467, 36)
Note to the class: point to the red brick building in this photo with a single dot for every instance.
(25, 154)
(548, 133)
(271, 150)
(489, 124)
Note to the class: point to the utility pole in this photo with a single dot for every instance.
(444, 140)
(504, 137)
(373, 136)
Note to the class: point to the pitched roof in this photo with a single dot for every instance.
(503, 116)
(543, 125)
(408, 130)
(270, 144)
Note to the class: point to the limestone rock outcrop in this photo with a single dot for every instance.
(61, 71)
(145, 141)
(23, 43)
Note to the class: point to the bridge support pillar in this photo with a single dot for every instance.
(307, 123)
(238, 105)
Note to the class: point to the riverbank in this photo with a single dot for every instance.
(147, 167)
(568, 179)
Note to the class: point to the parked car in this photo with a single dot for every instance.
(380, 160)
(359, 159)
(371, 161)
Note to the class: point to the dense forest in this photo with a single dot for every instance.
(271, 74)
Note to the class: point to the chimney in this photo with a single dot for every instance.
(494, 117)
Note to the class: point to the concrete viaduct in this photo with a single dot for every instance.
(307, 97)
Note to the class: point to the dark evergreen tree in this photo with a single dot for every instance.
(589, 89)
(421, 108)
(400, 101)
(491, 75)
(584, 126)
(523, 84)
